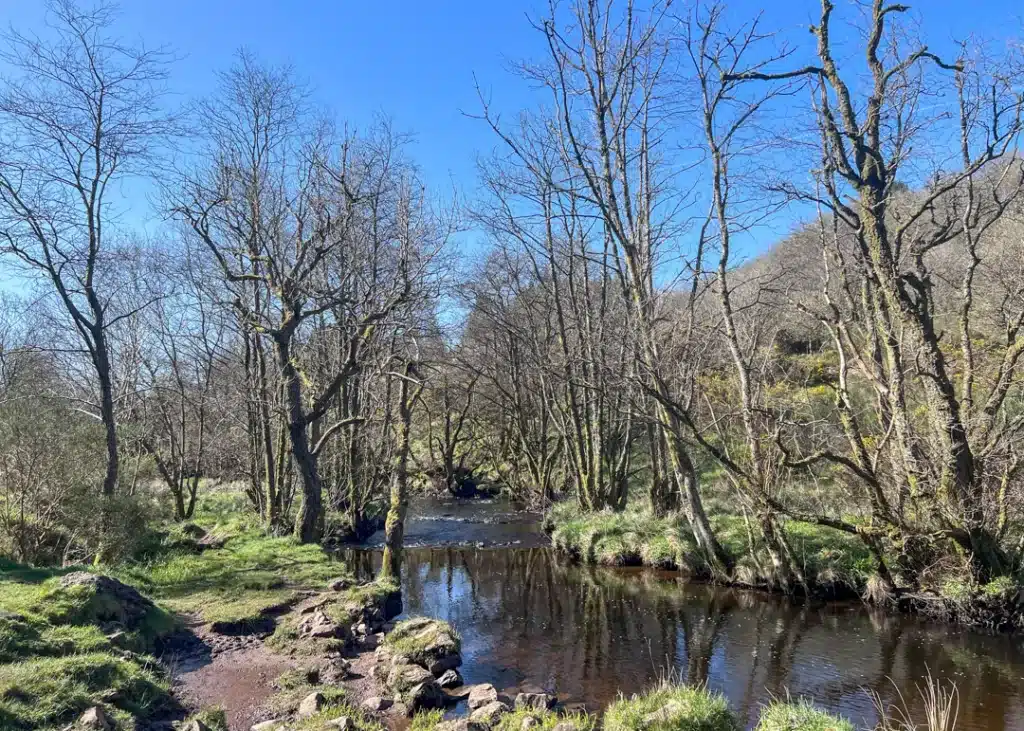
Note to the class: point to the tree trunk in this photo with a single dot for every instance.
(394, 527)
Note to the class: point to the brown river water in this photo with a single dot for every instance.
(529, 618)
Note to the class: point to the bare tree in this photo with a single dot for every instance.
(82, 115)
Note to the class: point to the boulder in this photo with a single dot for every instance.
(342, 723)
(339, 670)
(424, 695)
(340, 584)
(430, 643)
(400, 710)
(528, 723)
(311, 705)
(376, 704)
(196, 725)
(95, 718)
(457, 724)
(403, 677)
(450, 679)
(111, 601)
(489, 714)
(535, 701)
(317, 624)
(481, 695)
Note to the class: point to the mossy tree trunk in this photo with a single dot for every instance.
(398, 505)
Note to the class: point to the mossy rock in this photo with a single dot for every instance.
(431, 643)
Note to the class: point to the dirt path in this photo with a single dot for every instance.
(235, 673)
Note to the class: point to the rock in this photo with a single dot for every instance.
(318, 624)
(489, 713)
(458, 724)
(425, 695)
(311, 704)
(339, 584)
(403, 677)
(376, 704)
(112, 601)
(481, 695)
(196, 725)
(450, 679)
(528, 723)
(342, 723)
(535, 701)
(434, 643)
(666, 713)
(272, 725)
(339, 670)
(441, 665)
(400, 709)
(565, 726)
(95, 718)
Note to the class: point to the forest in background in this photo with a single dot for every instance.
(304, 325)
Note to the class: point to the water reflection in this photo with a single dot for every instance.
(528, 618)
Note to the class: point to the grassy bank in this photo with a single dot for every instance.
(832, 561)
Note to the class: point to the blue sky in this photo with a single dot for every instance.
(415, 60)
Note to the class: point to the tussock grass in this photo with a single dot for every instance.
(799, 716)
(671, 707)
(546, 720)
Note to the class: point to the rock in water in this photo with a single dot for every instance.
(450, 679)
(481, 695)
(535, 701)
(311, 705)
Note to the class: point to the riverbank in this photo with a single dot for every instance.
(834, 564)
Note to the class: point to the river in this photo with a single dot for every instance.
(530, 619)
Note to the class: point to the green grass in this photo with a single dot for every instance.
(800, 716)
(546, 720)
(249, 575)
(213, 718)
(427, 720)
(681, 708)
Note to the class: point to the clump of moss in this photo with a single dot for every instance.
(671, 707)
(800, 716)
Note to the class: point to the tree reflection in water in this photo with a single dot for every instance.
(528, 617)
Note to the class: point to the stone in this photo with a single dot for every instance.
(339, 670)
(528, 723)
(450, 679)
(95, 718)
(403, 677)
(339, 584)
(489, 713)
(425, 695)
(376, 704)
(311, 704)
(196, 725)
(272, 725)
(481, 695)
(400, 709)
(535, 701)
(342, 723)
(666, 713)
(434, 643)
(318, 624)
(443, 664)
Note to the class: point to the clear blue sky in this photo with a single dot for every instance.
(415, 60)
